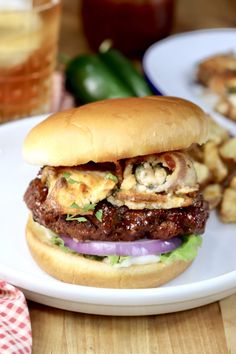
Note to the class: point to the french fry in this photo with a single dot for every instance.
(228, 149)
(213, 195)
(228, 206)
(222, 83)
(213, 161)
(217, 133)
(233, 183)
(221, 64)
(226, 106)
(203, 173)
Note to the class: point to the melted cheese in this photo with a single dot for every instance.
(71, 190)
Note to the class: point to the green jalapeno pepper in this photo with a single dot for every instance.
(106, 75)
(88, 79)
(125, 71)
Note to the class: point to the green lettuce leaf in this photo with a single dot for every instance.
(112, 260)
(186, 252)
(56, 240)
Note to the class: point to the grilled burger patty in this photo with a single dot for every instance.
(118, 223)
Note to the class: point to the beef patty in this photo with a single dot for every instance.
(118, 223)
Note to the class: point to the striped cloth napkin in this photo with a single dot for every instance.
(15, 327)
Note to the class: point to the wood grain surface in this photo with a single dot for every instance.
(210, 329)
(189, 332)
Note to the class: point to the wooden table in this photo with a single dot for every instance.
(210, 329)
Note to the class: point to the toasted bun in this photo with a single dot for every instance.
(75, 269)
(114, 129)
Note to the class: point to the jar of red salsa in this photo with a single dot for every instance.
(132, 25)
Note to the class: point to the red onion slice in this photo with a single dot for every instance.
(134, 248)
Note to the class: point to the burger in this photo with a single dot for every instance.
(116, 202)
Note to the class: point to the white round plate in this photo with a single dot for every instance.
(211, 277)
(170, 66)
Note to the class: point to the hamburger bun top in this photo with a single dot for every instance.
(76, 269)
(115, 129)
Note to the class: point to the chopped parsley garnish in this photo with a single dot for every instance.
(88, 207)
(70, 180)
(74, 205)
(70, 217)
(66, 175)
(99, 215)
(109, 175)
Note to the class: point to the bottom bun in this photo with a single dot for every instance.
(76, 269)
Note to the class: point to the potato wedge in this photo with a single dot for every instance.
(228, 149)
(203, 173)
(226, 106)
(228, 206)
(217, 133)
(216, 65)
(213, 161)
(232, 184)
(213, 194)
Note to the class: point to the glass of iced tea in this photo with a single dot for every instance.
(28, 47)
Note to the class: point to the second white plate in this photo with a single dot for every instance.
(170, 66)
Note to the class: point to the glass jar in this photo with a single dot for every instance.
(132, 25)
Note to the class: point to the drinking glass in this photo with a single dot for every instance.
(28, 47)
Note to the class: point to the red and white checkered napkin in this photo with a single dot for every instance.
(15, 327)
